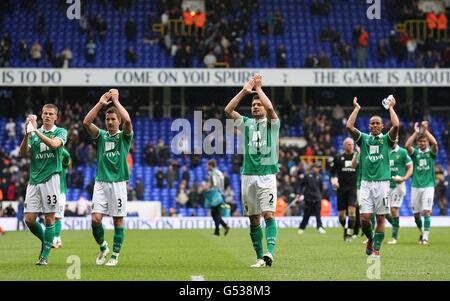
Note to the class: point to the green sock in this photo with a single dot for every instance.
(426, 223)
(48, 240)
(256, 234)
(377, 240)
(58, 226)
(368, 232)
(373, 219)
(418, 221)
(99, 235)
(271, 235)
(118, 240)
(389, 218)
(36, 229)
(395, 227)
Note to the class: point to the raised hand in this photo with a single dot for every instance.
(105, 99)
(114, 94)
(392, 102)
(258, 80)
(416, 128)
(248, 87)
(355, 103)
(358, 150)
(425, 125)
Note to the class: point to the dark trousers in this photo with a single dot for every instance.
(311, 208)
(357, 222)
(217, 217)
(20, 221)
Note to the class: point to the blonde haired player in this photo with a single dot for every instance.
(43, 191)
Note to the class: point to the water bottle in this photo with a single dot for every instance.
(386, 102)
(30, 127)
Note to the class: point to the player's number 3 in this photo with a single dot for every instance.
(119, 201)
(49, 200)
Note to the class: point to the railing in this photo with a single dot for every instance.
(311, 159)
(418, 30)
(177, 27)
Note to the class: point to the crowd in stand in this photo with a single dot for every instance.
(430, 53)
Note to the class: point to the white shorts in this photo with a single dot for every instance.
(61, 206)
(43, 197)
(374, 197)
(110, 198)
(259, 194)
(422, 199)
(396, 195)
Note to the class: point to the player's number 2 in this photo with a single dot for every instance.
(50, 201)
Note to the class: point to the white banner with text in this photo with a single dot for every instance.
(225, 77)
(166, 223)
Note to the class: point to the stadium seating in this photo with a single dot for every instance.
(151, 130)
(301, 33)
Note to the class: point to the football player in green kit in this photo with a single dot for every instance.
(424, 178)
(110, 189)
(43, 191)
(375, 172)
(260, 166)
(401, 171)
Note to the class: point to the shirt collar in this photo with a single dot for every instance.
(378, 136)
(112, 134)
(261, 120)
(425, 151)
(54, 127)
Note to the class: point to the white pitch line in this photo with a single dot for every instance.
(197, 278)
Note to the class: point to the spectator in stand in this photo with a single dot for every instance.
(182, 195)
(324, 60)
(279, 24)
(442, 24)
(432, 23)
(281, 56)
(193, 196)
(23, 50)
(411, 47)
(36, 52)
(140, 189)
(263, 27)
(131, 29)
(171, 176)
(199, 20)
(67, 57)
(346, 56)
(102, 27)
(210, 59)
(160, 178)
(264, 51)
(185, 175)
(150, 154)
(48, 48)
(10, 129)
(363, 43)
(382, 51)
(248, 51)
(90, 51)
(9, 211)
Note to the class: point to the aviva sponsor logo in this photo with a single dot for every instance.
(112, 154)
(45, 156)
(376, 157)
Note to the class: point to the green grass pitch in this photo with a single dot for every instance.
(181, 254)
